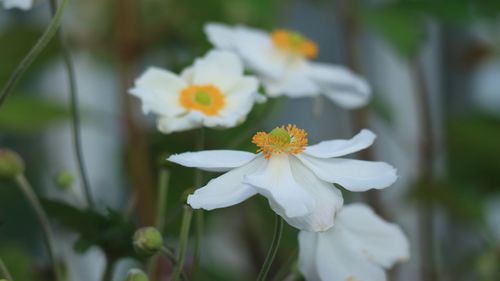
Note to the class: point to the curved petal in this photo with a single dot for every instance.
(159, 91)
(220, 68)
(340, 85)
(213, 160)
(293, 83)
(220, 35)
(20, 4)
(336, 148)
(354, 175)
(275, 181)
(225, 190)
(168, 125)
(336, 261)
(377, 240)
(328, 200)
(308, 246)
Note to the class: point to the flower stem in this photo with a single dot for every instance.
(161, 203)
(75, 115)
(26, 188)
(42, 42)
(271, 254)
(5, 271)
(173, 259)
(108, 270)
(183, 241)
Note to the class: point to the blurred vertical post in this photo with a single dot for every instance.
(360, 117)
(127, 42)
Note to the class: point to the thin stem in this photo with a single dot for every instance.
(5, 271)
(183, 241)
(199, 220)
(271, 254)
(42, 42)
(75, 115)
(48, 236)
(173, 259)
(108, 270)
(161, 203)
(288, 267)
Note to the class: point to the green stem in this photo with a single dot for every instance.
(42, 42)
(26, 188)
(173, 259)
(183, 241)
(271, 254)
(161, 203)
(199, 220)
(108, 270)
(288, 268)
(5, 271)
(75, 115)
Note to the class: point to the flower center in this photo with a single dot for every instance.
(205, 98)
(281, 140)
(295, 43)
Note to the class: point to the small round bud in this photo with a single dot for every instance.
(136, 275)
(147, 241)
(11, 165)
(64, 179)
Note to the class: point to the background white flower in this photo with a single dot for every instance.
(281, 59)
(294, 177)
(20, 4)
(213, 92)
(358, 248)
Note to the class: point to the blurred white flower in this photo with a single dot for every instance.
(213, 92)
(281, 59)
(358, 248)
(294, 177)
(20, 4)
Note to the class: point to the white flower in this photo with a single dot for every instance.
(20, 4)
(213, 92)
(294, 177)
(358, 248)
(281, 59)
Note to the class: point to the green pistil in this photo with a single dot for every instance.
(281, 134)
(203, 98)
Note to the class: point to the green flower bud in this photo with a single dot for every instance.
(136, 275)
(64, 179)
(147, 241)
(11, 165)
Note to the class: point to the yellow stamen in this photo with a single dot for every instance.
(205, 98)
(294, 42)
(281, 140)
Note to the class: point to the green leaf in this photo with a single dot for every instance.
(24, 114)
(402, 28)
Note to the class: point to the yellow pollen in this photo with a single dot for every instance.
(294, 42)
(205, 98)
(281, 140)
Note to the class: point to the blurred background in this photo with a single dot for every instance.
(435, 70)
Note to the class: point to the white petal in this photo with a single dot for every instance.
(336, 261)
(377, 240)
(275, 181)
(20, 4)
(177, 124)
(220, 68)
(336, 148)
(294, 83)
(328, 199)
(354, 175)
(213, 160)
(159, 92)
(220, 35)
(340, 85)
(308, 245)
(225, 190)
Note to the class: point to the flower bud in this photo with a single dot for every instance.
(147, 241)
(11, 165)
(64, 179)
(136, 275)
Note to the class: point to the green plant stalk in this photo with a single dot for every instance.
(271, 254)
(5, 271)
(75, 114)
(199, 220)
(42, 42)
(173, 259)
(183, 242)
(48, 235)
(161, 203)
(108, 270)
